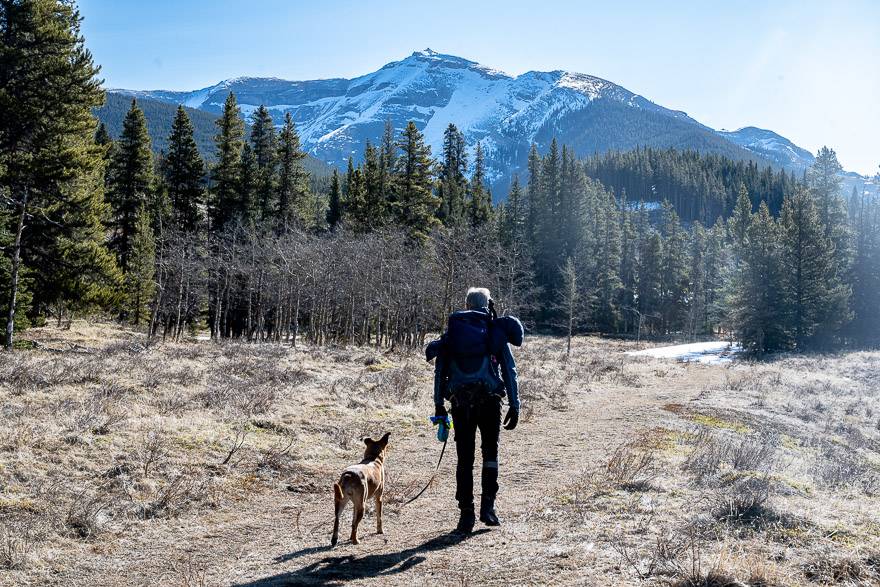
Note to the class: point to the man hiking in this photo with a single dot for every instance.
(470, 356)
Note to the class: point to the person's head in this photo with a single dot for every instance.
(477, 298)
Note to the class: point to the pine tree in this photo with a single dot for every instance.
(533, 196)
(807, 266)
(628, 255)
(102, 137)
(387, 161)
(131, 181)
(674, 275)
(334, 211)
(649, 284)
(698, 306)
(139, 284)
(293, 185)
(716, 264)
(758, 302)
(549, 244)
(480, 208)
(413, 183)
(265, 146)
(453, 180)
(226, 173)
(375, 211)
(355, 206)
(865, 326)
(184, 174)
(247, 196)
(515, 261)
(606, 313)
(51, 185)
(738, 224)
(824, 181)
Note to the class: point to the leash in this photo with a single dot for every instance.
(434, 476)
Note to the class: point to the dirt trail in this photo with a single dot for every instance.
(280, 537)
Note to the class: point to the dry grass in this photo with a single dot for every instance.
(126, 461)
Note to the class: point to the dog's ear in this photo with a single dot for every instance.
(369, 441)
(384, 440)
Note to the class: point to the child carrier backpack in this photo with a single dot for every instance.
(471, 357)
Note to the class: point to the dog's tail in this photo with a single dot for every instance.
(337, 491)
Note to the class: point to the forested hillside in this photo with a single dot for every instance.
(700, 186)
(160, 116)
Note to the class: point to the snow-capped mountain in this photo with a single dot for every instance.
(771, 146)
(335, 117)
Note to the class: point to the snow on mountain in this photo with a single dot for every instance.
(771, 146)
(336, 117)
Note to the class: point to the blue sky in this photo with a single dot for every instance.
(808, 70)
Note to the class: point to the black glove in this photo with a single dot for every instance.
(440, 411)
(511, 419)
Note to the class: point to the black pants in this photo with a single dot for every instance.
(483, 412)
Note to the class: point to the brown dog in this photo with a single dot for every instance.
(360, 482)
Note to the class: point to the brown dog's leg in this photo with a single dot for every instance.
(338, 505)
(356, 519)
(379, 512)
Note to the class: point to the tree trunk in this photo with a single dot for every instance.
(16, 269)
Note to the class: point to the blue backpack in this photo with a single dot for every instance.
(469, 347)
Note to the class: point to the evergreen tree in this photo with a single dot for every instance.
(824, 181)
(131, 181)
(334, 211)
(374, 213)
(716, 264)
(387, 161)
(413, 183)
(51, 187)
(738, 224)
(533, 196)
(102, 137)
(293, 185)
(628, 256)
(184, 174)
(356, 213)
(549, 244)
(248, 204)
(265, 146)
(226, 173)
(697, 294)
(139, 284)
(515, 260)
(480, 202)
(865, 326)
(606, 314)
(806, 258)
(453, 180)
(575, 197)
(674, 272)
(649, 284)
(758, 302)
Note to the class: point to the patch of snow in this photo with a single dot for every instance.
(709, 353)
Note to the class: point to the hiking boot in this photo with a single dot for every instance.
(487, 512)
(466, 522)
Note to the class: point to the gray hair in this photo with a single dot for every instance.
(477, 297)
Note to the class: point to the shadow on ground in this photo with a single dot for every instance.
(337, 570)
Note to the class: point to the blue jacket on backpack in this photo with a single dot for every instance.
(475, 348)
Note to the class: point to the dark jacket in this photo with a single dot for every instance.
(505, 329)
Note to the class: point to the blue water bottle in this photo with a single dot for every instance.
(443, 428)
